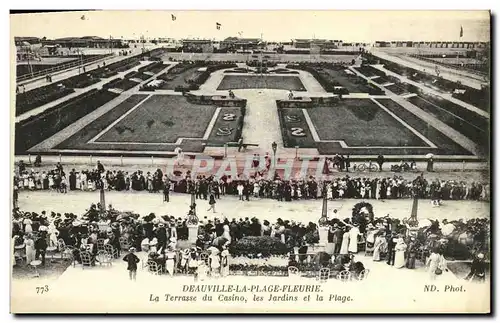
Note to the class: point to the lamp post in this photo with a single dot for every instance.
(102, 199)
(323, 224)
(274, 146)
(192, 219)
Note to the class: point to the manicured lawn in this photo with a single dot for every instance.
(361, 123)
(173, 117)
(279, 82)
(161, 119)
(80, 138)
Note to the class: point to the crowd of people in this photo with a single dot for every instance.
(386, 238)
(257, 186)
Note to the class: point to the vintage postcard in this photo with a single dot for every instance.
(250, 162)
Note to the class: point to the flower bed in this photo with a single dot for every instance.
(35, 129)
(263, 245)
(37, 97)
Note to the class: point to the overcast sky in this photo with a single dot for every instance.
(362, 26)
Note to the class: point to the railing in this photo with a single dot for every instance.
(61, 67)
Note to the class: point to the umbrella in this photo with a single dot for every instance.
(447, 229)
(429, 155)
(219, 241)
(424, 223)
(212, 249)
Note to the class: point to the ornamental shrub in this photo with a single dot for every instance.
(264, 245)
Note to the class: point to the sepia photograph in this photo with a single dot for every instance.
(258, 161)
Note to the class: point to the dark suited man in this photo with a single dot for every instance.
(166, 190)
(391, 251)
(161, 235)
(380, 162)
(337, 238)
(41, 247)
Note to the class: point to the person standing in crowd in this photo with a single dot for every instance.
(239, 188)
(344, 249)
(30, 248)
(379, 247)
(353, 239)
(41, 244)
(337, 238)
(100, 167)
(391, 251)
(132, 261)
(166, 189)
(436, 264)
(430, 164)
(347, 161)
(478, 269)
(380, 162)
(170, 263)
(399, 258)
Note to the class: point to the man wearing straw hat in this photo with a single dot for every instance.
(132, 261)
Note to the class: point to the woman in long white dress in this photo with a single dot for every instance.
(353, 239)
(13, 250)
(344, 248)
(224, 268)
(30, 248)
(27, 226)
(226, 234)
(378, 247)
(51, 182)
(399, 259)
(170, 261)
(435, 262)
(214, 262)
(53, 233)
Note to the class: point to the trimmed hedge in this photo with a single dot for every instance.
(36, 129)
(264, 245)
(37, 97)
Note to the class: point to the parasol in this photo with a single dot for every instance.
(429, 155)
(219, 241)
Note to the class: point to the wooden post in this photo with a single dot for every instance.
(59, 157)
(152, 161)
(90, 159)
(121, 160)
(296, 152)
(29, 158)
(463, 166)
(225, 150)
